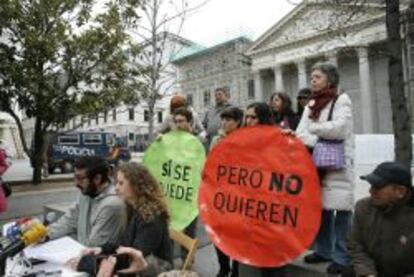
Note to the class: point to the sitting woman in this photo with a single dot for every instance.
(148, 218)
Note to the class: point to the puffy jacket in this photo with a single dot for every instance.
(338, 186)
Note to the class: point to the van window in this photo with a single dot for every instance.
(68, 139)
(110, 139)
(92, 139)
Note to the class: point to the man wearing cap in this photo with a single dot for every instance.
(381, 242)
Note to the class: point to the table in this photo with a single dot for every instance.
(19, 269)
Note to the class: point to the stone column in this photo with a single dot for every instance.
(365, 90)
(302, 80)
(332, 57)
(278, 77)
(258, 86)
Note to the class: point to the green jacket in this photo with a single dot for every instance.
(382, 241)
(93, 221)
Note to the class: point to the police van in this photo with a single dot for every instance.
(65, 148)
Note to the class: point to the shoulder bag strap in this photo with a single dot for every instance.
(332, 107)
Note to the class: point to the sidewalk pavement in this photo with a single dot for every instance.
(21, 170)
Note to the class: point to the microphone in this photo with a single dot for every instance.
(33, 235)
(15, 231)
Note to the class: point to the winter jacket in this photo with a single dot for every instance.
(93, 221)
(212, 120)
(382, 240)
(337, 186)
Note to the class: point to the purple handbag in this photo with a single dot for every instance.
(329, 154)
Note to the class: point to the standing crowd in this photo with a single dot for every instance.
(375, 237)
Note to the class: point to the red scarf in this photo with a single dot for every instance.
(319, 100)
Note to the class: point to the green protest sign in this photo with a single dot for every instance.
(176, 161)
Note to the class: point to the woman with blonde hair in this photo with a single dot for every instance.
(148, 218)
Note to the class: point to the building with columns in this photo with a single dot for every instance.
(224, 65)
(283, 56)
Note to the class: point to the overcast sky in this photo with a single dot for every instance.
(221, 20)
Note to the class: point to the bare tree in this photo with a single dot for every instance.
(161, 22)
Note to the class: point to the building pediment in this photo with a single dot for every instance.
(311, 19)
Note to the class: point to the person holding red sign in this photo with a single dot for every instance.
(259, 113)
(231, 120)
(328, 118)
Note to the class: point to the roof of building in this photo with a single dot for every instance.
(258, 44)
(192, 52)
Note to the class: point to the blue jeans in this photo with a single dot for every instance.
(330, 242)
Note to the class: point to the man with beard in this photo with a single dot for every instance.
(99, 216)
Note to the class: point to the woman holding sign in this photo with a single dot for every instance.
(231, 120)
(259, 113)
(326, 124)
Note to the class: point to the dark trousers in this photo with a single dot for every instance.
(250, 271)
(191, 231)
(224, 263)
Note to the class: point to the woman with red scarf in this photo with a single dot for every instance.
(337, 185)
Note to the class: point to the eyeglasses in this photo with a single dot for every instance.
(251, 116)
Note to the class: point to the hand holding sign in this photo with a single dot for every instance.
(260, 197)
(176, 162)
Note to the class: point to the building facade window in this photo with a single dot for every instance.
(146, 115)
(250, 89)
(160, 117)
(131, 114)
(189, 74)
(207, 97)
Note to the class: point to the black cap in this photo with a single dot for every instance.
(388, 173)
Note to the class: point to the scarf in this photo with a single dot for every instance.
(319, 100)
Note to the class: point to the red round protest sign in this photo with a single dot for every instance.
(260, 197)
